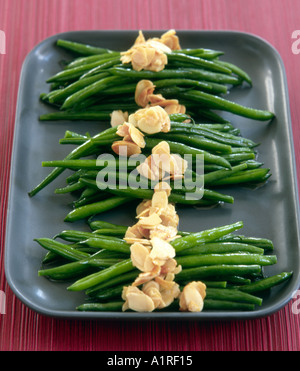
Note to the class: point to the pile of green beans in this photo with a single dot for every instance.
(229, 160)
(95, 82)
(98, 263)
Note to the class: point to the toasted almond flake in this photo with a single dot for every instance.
(136, 136)
(164, 284)
(161, 249)
(192, 297)
(125, 148)
(150, 221)
(143, 208)
(123, 130)
(150, 120)
(138, 254)
(159, 200)
(147, 55)
(118, 117)
(168, 296)
(151, 289)
(133, 232)
(147, 276)
(163, 186)
(144, 89)
(162, 148)
(170, 39)
(143, 241)
(136, 300)
(172, 108)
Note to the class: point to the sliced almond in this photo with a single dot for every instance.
(137, 300)
(125, 148)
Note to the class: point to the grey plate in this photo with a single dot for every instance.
(270, 211)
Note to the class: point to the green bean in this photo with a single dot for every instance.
(183, 149)
(232, 295)
(213, 271)
(77, 268)
(96, 208)
(196, 142)
(201, 85)
(123, 278)
(254, 175)
(61, 249)
(91, 199)
(243, 258)
(218, 175)
(76, 236)
(57, 96)
(236, 70)
(216, 102)
(210, 304)
(81, 48)
(99, 224)
(198, 61)
(70, 188)
(200, 52)
(211, 133)
(266, 283)
(190, 73)
(264, 243)
(108, 244)
(101, 307)
(90, 90)
(91, 58)
(143, 193)
(195, 239)
(104, 66)
(72, 74)
(102, 276)
(78, 152)
(238, 280)
(235, 158)
(90, 164)
(72, 116)
(221, 247)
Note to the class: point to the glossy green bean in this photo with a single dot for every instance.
(96, 208)
(199, 62)
(232, 295)
(195, 141)
(221, 247)
(190, 73)
(80, 48)
(108, 244)
(102, 276)
(266, 283)
(222, 305)
(213, 271)
(216, 102)
(237, 258)
(73, 116)
(61, 249)
(209, 235)
(182, 149)
(101, 307)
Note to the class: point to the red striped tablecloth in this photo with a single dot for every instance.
(26, 23)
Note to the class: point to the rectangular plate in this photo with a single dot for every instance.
(270, 211)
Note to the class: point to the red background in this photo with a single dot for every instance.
(26, 23)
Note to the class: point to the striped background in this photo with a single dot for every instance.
(27, 22)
